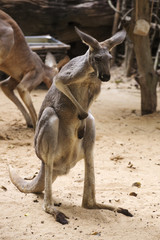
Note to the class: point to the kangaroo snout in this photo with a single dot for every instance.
(104, 77)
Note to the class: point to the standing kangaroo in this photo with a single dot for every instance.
(24, 67)
(65, 131)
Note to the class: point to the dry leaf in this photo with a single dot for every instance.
(4, 188)
(136, 184)
(96, 234)
(130, 165)
(133, 194)
(117, 158)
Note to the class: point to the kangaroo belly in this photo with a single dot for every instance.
(69, 152)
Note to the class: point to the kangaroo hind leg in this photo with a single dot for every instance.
(46, 140)
(89, 198)
(8, 86)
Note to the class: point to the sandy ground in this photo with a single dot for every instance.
(126, 152)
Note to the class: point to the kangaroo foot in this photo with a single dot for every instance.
(124, 212)
(108, 207)
(59, 216)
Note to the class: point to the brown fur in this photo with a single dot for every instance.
(24, 67)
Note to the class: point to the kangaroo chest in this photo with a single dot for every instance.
(86, 92)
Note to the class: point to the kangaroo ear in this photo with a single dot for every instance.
(114, 40)
(88, 40)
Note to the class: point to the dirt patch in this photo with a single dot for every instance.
(126, 152)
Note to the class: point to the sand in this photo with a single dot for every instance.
(126, 152)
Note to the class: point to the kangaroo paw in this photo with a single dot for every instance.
(83, 116)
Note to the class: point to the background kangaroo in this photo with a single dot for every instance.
(25, 68)
(65, 131)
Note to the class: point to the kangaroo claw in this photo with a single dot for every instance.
(61, 218)
(125, 212)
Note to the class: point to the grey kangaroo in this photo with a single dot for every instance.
(65, 131)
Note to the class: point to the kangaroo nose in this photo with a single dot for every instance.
(104, 77)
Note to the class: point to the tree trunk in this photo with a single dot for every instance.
(129, 51)
(114, 30)
(148, 78)
(129, 57)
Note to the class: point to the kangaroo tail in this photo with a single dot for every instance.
(28, 186)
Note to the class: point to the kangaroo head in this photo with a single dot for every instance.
(99, 55)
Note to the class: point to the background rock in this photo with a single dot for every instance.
(58, 18)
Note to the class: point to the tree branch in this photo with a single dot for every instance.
(113, 7)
